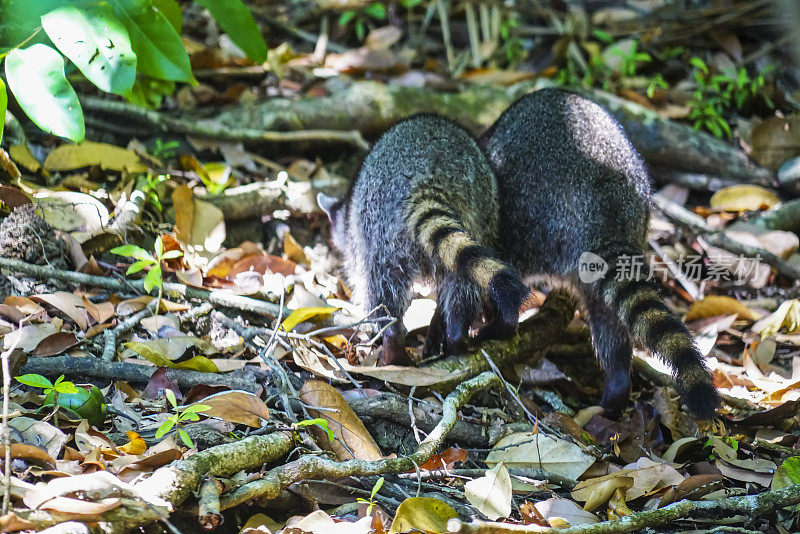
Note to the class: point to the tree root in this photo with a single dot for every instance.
(762, 504)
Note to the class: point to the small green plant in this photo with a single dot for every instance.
(190, 413)
(656, 82)
(512, 43)
(163, 150)
(361, 18)
(50, 390)
(150, 188)
(718, 94)
(371, 501)
(322, 423)
(145, 259)
(39, 381)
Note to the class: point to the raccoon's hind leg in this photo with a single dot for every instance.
(612, 343)
(506, 294)
(456, 307)
(389, 286)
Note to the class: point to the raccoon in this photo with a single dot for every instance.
(570, 183)
(424, 204)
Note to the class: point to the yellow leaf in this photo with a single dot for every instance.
(293, 249)
(22, 155)
(304, 314)
(743, 198)
(422, 513)
(135, 445)
(86, 154)
(786, 316)
(714, 305)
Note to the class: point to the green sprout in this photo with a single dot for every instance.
(190, 413)
(145, 259)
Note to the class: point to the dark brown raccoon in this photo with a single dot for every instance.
(570, 184)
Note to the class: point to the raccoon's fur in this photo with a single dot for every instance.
(570, 182)
(425, 204)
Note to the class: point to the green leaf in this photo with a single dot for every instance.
(168, 255)
(165, 427)
(96, 42)
(132, 251)
(34, 380)
(36, 77)
(602, 36)
(376, 488)
(172, 11)
(235, 19)
(191, 416)
(322, 423)
(346, 17)
(699, 63)
(158, 247)
(3, 107)
(185, 438)
(171, 397)
(376, 10)
(361, 29)
(158, 47)
(152, 279)
(66, 387)
(138, 266)
(197, 408)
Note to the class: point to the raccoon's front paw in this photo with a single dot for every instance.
(496, 330)
(616, 393)
(435, 339)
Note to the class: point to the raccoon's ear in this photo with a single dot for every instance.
(326, 202)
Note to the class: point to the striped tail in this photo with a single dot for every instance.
(639, 306)
(443, 235)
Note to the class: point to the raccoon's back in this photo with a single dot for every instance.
(569, 180)
(424, 153)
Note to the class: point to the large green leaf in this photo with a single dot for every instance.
(36, 77)
(96, 42)
(158, 47)
(234, 17)
(3, 106)
(172, 10)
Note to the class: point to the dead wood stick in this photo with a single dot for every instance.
(372, 107)
(171, 289)
(763, 504)
(309, 467)
(210, 129)
(85, 367)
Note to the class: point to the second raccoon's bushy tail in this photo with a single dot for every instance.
(442, 233)
(639, 305)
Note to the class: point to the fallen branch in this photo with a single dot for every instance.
(171, 289)
(210, 129)
(762, 504)
(535, 336)
(134, 373)
(372, 107)
(310, 467)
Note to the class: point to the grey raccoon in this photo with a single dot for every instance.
(424, 204)
(570, 182)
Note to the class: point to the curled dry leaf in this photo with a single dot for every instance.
(69, 157)
(237, 407)
(78, 214)
(55, 344)
(353, 441)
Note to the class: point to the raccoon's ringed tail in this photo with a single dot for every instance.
(444, 236)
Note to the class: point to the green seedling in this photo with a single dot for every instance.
(361, 18)
(371, 501)
(190, 413)
(145, 259)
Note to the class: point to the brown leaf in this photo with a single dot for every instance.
(776, 140)
(353, 441)
(13, 197)
(237, 407)
(263, 265)
(55, 344)
(714, 305)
